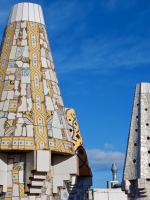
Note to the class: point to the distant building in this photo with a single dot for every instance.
(112, 192)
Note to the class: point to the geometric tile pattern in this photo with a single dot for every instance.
(32, 114)
(33, 118)
(84, 167)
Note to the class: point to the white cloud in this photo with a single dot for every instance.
(103, 160)
(104, 55)
(108, 146)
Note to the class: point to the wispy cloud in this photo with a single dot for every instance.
(108, 146)
(63, 16)
(103, 54)
(103, 160)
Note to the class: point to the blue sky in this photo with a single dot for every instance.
(101, 49)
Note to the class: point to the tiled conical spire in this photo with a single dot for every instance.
(32, 114)
(137, 164)
(37, 157)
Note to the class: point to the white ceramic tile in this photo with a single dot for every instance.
(14, 42)
(13, 17)
(21, 176)
(10, 95)
(41, 15)
(54, 89)
(45, 45)
(43, 157)
(26, 48)
(44, 63)
(25, 52)
(17, 157)
(10, 164)
(29, 130)
(4, 95)
(52, 75)
(25, 65)
(37, 183)
(19, 63)
(3, 162)
(23, 106)
(32, 197)
(46, 89)
(36, 13)
(6, 77)
(31, 12)
(1, 105)
(16, 34)
(16, 85)
(38, 176)
(11, 115)
(42, 36)
(25, 79)
(13, 53)
(58, 90)
(54, 101)
(24, 198)
(12, 77)
(56, 121)
(23, 89)
(19, 115)
(18, 130)
(24, 131)
(25, 11)
(17, 93)
(29, 104)
(23, 24)
(41, 42)
(24, 43)
(20, 120)
(57, 133)
(48, 189)
(3, 180)
(24, 34)
(19, 12)
(43, 197)
(49, 103)
(60, 100)
(15, 198)
(55, 96)
(51, 58)
(10, 15)
(35, 191)
(6, 104)
(64, 121)
(10, 70)
(55, 107)
(2, 121)
(43, 52)
(48, 63)
(47, 74)
(9, 179)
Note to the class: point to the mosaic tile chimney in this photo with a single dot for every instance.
(136, 176)
(39, 157)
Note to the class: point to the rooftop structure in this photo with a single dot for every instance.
(42, 156)
(136, 174)
(114, 183)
